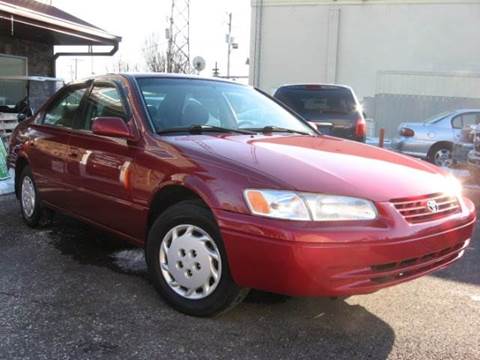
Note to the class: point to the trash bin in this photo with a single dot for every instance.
(3, 162)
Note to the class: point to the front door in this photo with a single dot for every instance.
(98, 166)
(48, 144)
(462, 121)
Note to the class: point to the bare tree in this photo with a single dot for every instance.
(121, 65)
(154, 56)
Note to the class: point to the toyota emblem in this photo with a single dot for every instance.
(432, 206)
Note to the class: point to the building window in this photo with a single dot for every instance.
(12, 91)
(13, 65)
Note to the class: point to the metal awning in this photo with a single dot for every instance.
(31, 20)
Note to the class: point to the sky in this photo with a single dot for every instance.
(136, 20)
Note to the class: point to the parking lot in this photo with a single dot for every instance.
(70, 291)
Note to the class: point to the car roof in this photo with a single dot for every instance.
(130, 75)
(464, 111)
(302, 85)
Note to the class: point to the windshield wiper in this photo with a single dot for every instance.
(271, 129)
(198, 129)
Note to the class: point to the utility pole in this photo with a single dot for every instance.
(215, 70)
(169, 34)
(178, 35)
(229, 43)
(76, 68)
(90, 50)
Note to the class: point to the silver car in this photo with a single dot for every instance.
(433, 139)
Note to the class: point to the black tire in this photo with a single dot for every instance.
(32, 218)
(440, 147)
(226, 294)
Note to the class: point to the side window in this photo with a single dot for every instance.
(103, 101)
(64, 109)
(457, 122)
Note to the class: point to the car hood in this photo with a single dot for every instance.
(321, 164)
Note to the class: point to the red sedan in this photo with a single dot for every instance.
(228, 190)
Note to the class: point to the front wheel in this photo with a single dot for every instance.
(187, 261)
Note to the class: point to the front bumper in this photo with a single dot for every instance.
(305, 260)
(411, 146)
(473, 159)
(460, 152)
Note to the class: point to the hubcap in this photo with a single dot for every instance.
(28, 196)
(443, 157)
(190, 261)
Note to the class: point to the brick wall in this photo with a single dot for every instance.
(39, 55)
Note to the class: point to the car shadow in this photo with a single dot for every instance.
(287, 326)
(313, 327)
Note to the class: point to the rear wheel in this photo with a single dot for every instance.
(187, 261)
(441, 155)
(29, 200)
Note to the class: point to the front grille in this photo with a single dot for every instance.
(427, 207)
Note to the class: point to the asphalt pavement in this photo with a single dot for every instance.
(69, 291)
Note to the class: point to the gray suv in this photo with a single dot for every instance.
(333, 109)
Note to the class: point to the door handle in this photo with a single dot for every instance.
(73, 155)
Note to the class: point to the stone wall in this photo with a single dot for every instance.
(39, 55)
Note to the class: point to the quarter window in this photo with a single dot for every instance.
(62, 113)
(103, 101)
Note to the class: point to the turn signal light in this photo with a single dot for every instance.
(407, 132)
(258, 202)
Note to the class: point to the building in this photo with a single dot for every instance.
(406, 59)
(29, 30)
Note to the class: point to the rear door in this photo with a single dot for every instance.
(98, 166)
(463, 121)
(48, 144)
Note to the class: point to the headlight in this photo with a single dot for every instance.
(290, 205)
(277, 204)
(454, 186)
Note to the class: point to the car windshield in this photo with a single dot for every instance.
(436, 118)
(185, 103)
(311, 101)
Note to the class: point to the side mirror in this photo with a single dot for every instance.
(21, 117)
(111, 126)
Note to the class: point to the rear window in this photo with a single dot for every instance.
(317, 101)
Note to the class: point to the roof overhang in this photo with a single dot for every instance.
(32, 25)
